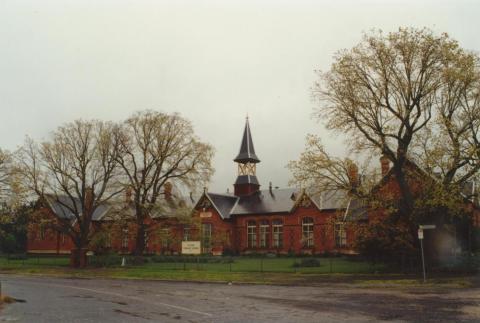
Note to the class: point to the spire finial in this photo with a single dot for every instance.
(247, 152)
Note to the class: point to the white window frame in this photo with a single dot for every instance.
(207, 237)
(340, 235)
(251, 234)
(277, 233)
(307, 232)
(264, 233)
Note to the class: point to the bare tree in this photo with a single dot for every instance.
(155, 148)
(75, 169)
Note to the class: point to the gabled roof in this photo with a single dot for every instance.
(61, 206)
(331, 199)
(165, 208)
(247, 151)
(468, 190)
(356, 210)
(223, 203)
(273, 201)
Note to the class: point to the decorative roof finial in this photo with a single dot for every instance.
(247, 152)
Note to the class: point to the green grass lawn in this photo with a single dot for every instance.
(281, 265)
(34, 261)
(243, 269)
(240, 265)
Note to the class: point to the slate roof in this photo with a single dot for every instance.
(279, 201)
(247, 151)
(356, 210)
(61, 207)
(166, 208)
(223, 203)
(266, 201)
(330, 200)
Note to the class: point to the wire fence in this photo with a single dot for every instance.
(202, 263)
(311, 264)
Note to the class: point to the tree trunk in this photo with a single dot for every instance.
(78, 258)
(406, 198)
(140, 239)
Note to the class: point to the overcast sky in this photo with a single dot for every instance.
(214, 62)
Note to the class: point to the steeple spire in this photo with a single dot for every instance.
(246, 159)
(247, 151)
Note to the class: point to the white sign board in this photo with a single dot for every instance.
(420, 234)
(205, 214)
(191, 248)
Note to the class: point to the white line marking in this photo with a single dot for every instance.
(124, 296)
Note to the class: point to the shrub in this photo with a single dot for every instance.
(192, 259)
(19, 256)
(307, 262)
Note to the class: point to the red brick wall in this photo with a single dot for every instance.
(323, 232)
(52, 242)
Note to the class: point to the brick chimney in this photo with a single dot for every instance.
(167, 190)
(385, 164)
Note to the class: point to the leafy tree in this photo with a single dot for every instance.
(409, 96)
(156, 148)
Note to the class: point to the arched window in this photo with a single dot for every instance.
(125, 238)
(277, 228)
(264, 234)
(307, 232)
(252, 234)
(340, 235)
(186, 232)
(207, 237)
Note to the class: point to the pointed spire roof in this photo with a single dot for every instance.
(247, 152)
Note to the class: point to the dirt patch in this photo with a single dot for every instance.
(9, 300)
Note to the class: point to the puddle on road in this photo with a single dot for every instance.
(10, 300)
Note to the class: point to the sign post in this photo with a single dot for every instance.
(420, 237)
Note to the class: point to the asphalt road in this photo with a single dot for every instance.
(101, 300)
